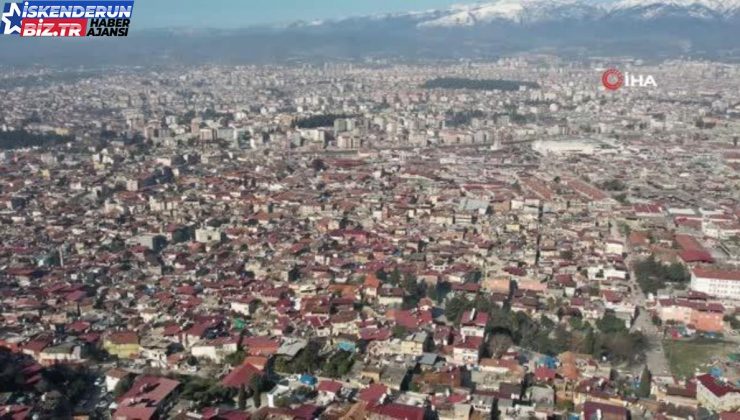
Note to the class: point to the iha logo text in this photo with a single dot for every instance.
(613, 79)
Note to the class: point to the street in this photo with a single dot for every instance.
(655, 357)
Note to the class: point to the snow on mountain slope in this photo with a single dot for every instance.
(553, 10)
(713, 5)
(697, 9)
(514, 10)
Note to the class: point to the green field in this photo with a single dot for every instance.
(685, 357)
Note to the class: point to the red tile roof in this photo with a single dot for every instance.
(240, 375)
(715, 387)
(399, 411)
(15, 412)
(590, 410)
(544, 374)
(694, 256)
(329, 386)
(213, 413)
(123, 337)
(373, 393)
(688, 243)
(711, 273)
(145, 397)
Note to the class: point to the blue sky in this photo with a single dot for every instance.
(238, 13)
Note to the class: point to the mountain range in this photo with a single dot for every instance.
(532, 12)
(640, 28)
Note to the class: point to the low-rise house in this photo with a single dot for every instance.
(215, 350)
(374, 394)
(150, 397)
(113, 377)
(702, 316)
(600, 411)
(415, 344)
(123, 344)
(473, 323)
(329, 389)
(390, 296)
(467, 351)
(717, 395)
(241, 376)
(69, 352)
(395, 377)
(245, 306)
(395, 411)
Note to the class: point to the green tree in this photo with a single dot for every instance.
(414, 291)
(589, 342)
(610, 324)
(123, 385)
(180, 235)
(399, 331)
(438, 292)
(677, 273)
(473, 276)
(477, 84)
(567, 254)
(395, 277)
(613, 185)
(242, 398)
(339, 364)
(236, 358)
(257, 384)
(21, 138)
(306, 361)
(652, 275)
(318, 165)
(646, 379)
(455, 307)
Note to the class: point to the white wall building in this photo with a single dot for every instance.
(720, 283)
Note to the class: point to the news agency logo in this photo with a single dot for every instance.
(613, 79)
(67, 18)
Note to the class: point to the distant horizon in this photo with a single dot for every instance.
(235, 14)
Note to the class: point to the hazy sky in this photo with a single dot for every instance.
(238, 13)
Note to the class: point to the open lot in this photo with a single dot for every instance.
(684, 357)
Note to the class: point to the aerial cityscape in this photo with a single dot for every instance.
(531, 235)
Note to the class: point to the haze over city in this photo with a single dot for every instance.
(424, 210)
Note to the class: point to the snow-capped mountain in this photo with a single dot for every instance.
(532, 11)
(719, 6)
(489, 29)
(515, 11)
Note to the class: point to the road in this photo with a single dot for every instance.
(655, 357)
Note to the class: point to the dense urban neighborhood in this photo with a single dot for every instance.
(376, 240)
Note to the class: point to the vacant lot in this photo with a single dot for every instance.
(685, 357)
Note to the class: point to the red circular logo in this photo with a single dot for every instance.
(612, 79)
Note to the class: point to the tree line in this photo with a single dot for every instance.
(652, 275)
(316, 121)
(608, 337)
(477, 84)
(19, 139)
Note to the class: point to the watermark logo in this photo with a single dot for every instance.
(613, 79)
(74, 18)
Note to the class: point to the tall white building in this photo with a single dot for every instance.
(719, 283)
